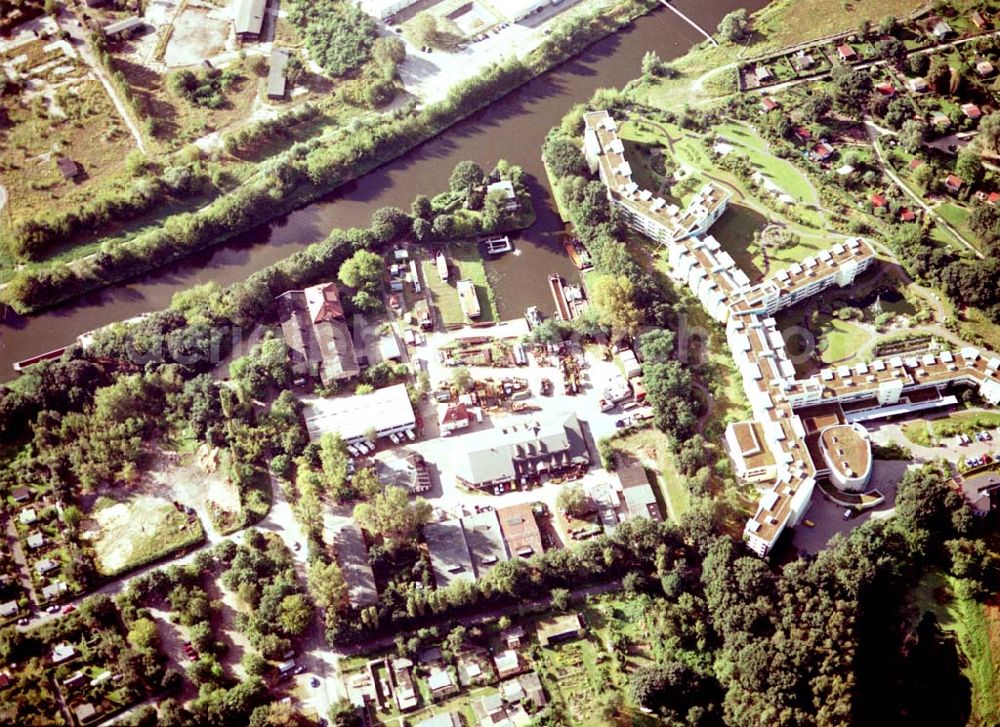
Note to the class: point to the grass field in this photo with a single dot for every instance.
(138, 531)
(465, 262)
(958, 217)
(792, 21)
(929, 433)
(840, 340)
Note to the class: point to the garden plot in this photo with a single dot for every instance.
(138, 531)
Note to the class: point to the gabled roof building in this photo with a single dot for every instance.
(316, 333)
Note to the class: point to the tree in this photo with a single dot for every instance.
(326, 582)
(564, 157)
(969, 166)
(465, 176)
(614, 297)
(143, 635)
(926, 506)
(657, 346)
(362, 271)
(851, 89)
(989, 134)
(333, 458)
(653, 65)
(572, 499)
(560, 599)
(425, 28)
(462, 379)
(670, 391)
(391, 516)
(295, 614)
(912, 135)
(366, 482)
(735, 26)
(421, 207)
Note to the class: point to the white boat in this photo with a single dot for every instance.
(442, 266)
(468, 299)
(533, 316)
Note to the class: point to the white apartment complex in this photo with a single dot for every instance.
(793, 437)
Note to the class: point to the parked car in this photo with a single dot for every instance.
(848, 513)
(68, 608)
(410, 435)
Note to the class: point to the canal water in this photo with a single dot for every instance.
(513, 129)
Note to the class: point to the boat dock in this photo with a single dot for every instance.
(47, 356)
(497, 245)
(563, 310)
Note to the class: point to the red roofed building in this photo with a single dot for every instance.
(454, 417)
(822, 151)
(993, 198)
(846, 53)
(953, 183)
(878, 200)
(886, 89)
(907, 215)
(915, 164)
(978, 20)
(971, 110)
(768, 103)
(802, 134)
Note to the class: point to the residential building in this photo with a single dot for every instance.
(249, 19)
(441, 685)
(768, 104)
(62, 652)
(522, 452)
(762, 74)
(847, 455)
(979, 20)
(54, 591)
(20, 493)
(984, 69)
(641, 209)
(46, 566)
(445, 719)
(384, 411)
(846, 53)
(449, 552)
(507, 663)
(564, 627)
(35, 541)
(953, 183)
(84, 713)
(972, 111)
(76, 681)
(804, 60)
(941, 30)
(9, 609)
(917, 85)
(506, 188)
(277, 83)
(520, 530)
(822, 152)
(27, 516)
(352, 555)
(316, 333)
(485, 540)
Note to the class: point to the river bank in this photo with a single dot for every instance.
(296, 179)
(513, 128)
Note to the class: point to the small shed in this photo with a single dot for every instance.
(68, 168)
(122, 29)
(277, 84)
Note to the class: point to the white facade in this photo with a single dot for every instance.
(384, 9)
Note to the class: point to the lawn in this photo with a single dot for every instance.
(958, 217)
(139, 530)
(840, 341)
(793, 21)
(780, 171)
(977, 628)
(977, 326)
(651, 447)
(444, 296)
(930, 432)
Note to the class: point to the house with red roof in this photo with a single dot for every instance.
(802, 134)
(915, 164)
(768, 104)
(847, 53)
(953, 183)
(822, 151)
(979, 20)
(886, 89)
(454, 417)
(972, 111)
(993, 198)
(907, 215)
(879, 200)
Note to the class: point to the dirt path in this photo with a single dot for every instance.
(68, 22)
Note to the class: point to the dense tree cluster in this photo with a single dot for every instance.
(338, 34)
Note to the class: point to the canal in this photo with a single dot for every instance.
(513, 129)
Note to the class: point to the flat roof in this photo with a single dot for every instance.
(249, 16)
(352, 417)
(848, 453)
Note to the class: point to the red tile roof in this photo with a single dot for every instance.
(907, 215)
(878, 200)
